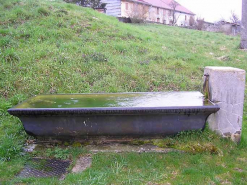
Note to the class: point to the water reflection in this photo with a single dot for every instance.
(160, 99)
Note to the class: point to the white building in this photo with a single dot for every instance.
(161, 11)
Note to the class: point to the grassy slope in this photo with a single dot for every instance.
(54, 47)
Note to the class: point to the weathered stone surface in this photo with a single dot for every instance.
(226, 87)
(244, 25)
(29, 147)
(122, 148)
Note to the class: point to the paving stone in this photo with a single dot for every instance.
(82, 163)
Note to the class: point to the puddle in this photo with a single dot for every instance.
(154, 99)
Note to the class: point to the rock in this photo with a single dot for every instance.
(82, 164)
(29, 147)
(236, 138)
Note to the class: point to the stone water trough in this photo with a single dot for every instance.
(139, 114)
(120, 114)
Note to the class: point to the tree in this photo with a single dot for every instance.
(192, 21)
(86, 3)
(139, 13)
(200, 23)
(234, 17)
(173, 4)
(244, 25)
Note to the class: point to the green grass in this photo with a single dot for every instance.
(54, 47)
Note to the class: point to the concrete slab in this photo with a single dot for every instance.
(121, 148)
(226, 89)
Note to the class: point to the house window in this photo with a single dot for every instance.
(158, 19)
(158, 11)
(185, 17)
(164, 12)
(126, 6)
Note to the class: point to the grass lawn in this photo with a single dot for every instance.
(53, 47)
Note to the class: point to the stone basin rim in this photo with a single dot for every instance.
(115, 110)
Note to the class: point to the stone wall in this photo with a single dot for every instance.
(228, 29)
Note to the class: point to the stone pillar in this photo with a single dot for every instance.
(226, 89)
(244, 25)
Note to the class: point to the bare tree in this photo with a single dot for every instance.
(192, 21)
(221, 20)
(200, 23)
(244, 25)
(234, 17)
(173, 4)
(138, 13)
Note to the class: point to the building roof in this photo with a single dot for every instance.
(166, 5)
(140, 1)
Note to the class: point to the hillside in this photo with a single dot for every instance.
(55, 47)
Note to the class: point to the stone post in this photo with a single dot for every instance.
(226, 89)
(244, 25)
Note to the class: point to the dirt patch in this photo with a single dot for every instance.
(82, 164)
